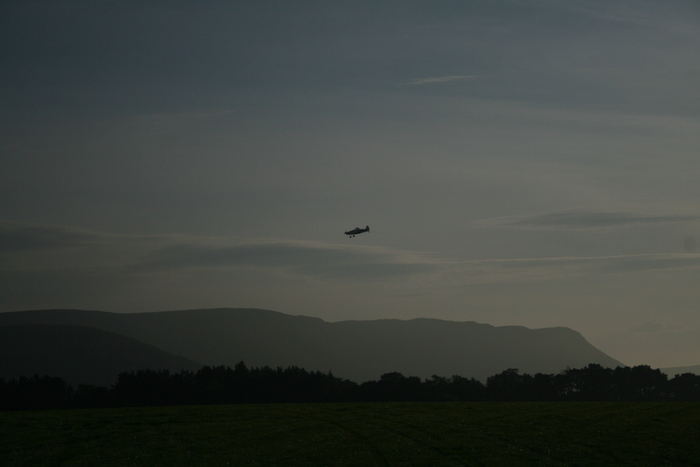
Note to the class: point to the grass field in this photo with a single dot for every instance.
(596, 433)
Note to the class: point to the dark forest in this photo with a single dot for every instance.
(242, 385)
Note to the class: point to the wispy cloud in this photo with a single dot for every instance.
(60, 247)
(54, 265)
(317, 260)
(655, 326)
(586, 220)
(440, 79)
(556, 268)
(182, 116)
(27, 237)
(637, 263)
(176, 121)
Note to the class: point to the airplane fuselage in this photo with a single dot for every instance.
(356, 231)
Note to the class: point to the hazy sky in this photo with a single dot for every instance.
(527, 162)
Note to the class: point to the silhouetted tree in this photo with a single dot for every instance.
(393, 387)
(91, 396)
(224, 385)
(465, 389)
(37, 392)
(505, 386)
(153, 388)
(544, 387)
(684, 387)
(639, 383)
(591, 383)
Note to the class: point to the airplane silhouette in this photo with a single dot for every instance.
(356, 231)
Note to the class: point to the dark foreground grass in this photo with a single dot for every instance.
(566, 433)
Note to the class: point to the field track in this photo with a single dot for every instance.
(566, 433)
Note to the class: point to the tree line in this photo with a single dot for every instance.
(242, 385)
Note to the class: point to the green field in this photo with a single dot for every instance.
(480, 433)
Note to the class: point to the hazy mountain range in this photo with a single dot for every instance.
(94, 346)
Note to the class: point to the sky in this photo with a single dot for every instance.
(528, 163)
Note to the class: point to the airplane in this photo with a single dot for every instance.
(356, 231)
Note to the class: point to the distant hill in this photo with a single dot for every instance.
(356, 350)
(679, 370)
(78, 354)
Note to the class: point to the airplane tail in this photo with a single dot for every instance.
(367, 228)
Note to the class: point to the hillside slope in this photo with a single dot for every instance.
(78, 354)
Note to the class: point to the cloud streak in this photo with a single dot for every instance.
(317, 260)
(28, 237)
(181, 117)
(84, 249)
(440, 79)
(557, 268)
(46, 266)
(578, 220)
(132, 254)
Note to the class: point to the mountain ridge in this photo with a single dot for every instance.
(359, 350)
